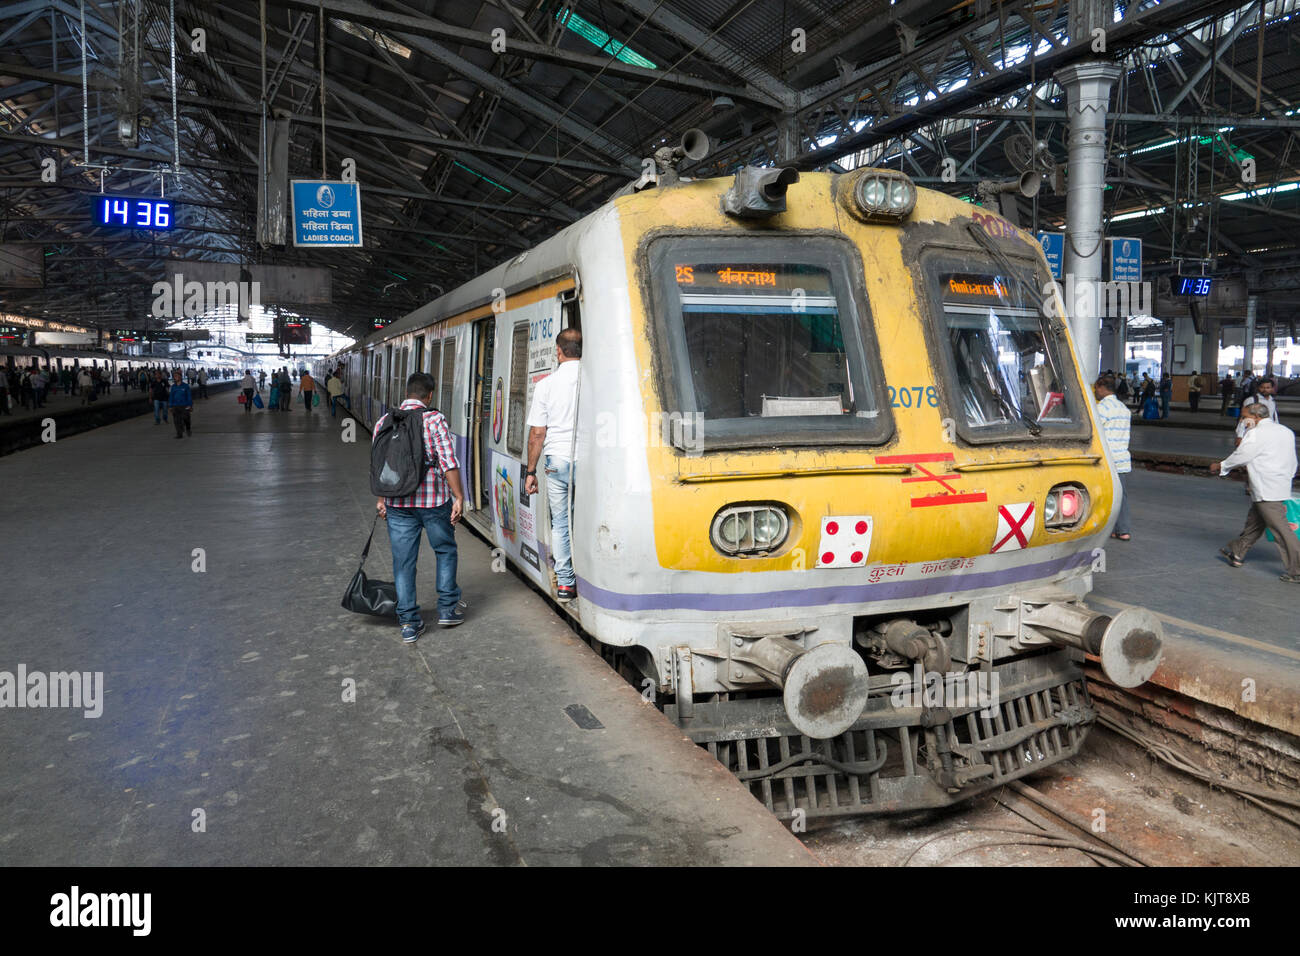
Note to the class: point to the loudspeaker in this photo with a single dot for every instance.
(695, 144)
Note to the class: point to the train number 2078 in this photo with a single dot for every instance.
(912, 396)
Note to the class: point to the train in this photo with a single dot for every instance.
(58, 357)
(840, 490)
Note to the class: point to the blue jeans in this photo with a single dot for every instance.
(404, 526)
(559, 473)
(159, 406)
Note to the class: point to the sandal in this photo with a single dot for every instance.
(1123, 537)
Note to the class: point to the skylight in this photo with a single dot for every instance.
(599, 38)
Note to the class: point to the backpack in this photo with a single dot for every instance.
(397, 456)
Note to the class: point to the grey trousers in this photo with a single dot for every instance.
(1270, 515)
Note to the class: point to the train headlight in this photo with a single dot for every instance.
(882, 194)
(749, 529)
(1065, 507)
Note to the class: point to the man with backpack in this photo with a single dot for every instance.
(414, 471)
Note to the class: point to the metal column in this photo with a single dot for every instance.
(1248, 339)
(1088, 87)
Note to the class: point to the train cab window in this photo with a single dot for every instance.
(1009, 372)
(768, 341)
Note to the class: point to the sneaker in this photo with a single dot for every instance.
(451, 618)
(411, 632)
(1290, 578)
(1235, 561)
(565, 592)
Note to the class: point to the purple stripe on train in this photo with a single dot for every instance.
(839, 594)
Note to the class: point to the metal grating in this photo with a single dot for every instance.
(888, 762)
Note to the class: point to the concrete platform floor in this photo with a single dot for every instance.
(1222, 625)
(226, 735)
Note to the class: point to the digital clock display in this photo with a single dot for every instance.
(1192, 285)
(132, 212)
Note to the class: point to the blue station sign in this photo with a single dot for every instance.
(1125, 260)
(326, 213)
(1053, 244)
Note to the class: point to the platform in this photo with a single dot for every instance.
(1222, 625)
(224, 689)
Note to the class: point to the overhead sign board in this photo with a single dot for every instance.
(1125, 260)
(254, 338)
(165, 335)
(326, 213)
(132, 212)
(1053, 244)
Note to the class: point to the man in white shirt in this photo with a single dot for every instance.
(551, 430)
(1116, 421)
(1264, 396)
(1268, 452)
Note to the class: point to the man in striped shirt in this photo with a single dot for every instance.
(434, 508)
(1116, 422)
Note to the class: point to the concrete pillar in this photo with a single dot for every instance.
(1114, 343)
(1087, 87)
(1268, 359)
(1248, 341)
(1185, 335)
(1210, 349)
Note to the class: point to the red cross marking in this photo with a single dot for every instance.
(1015, 526)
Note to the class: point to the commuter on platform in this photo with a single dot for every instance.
(434, 508)
(1263, 395)
(261, 378)
(306, 388)
(1227, 387)
(86, 384)
(160, 393)
(181, 401)
(1166, 393)
(334, 386)
(1194, 385)
(4, 393)
(286, 391)
(203, 383)
(249, 385)
(1116, 424)
(39, 381)
(1148, 388)
(551, 431)
(1268, 452)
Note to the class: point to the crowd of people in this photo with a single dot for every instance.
(280, 391)
(1263, 446)
(32, 386)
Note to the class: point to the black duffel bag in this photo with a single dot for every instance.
(364, 596)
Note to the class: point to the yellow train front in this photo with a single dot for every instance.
(839, 490)
(876, 491)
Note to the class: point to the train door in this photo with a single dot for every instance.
(480, 411)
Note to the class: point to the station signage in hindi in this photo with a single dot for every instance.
(326, 213)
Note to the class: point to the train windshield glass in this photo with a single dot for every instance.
(767, 339)
(1008, 374)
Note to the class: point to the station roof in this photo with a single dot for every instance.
(480, 128)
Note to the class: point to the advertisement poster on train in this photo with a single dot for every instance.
(543, 327)
(513, 512)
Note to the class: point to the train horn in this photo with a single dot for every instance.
(1128, 644)
(824, 688)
